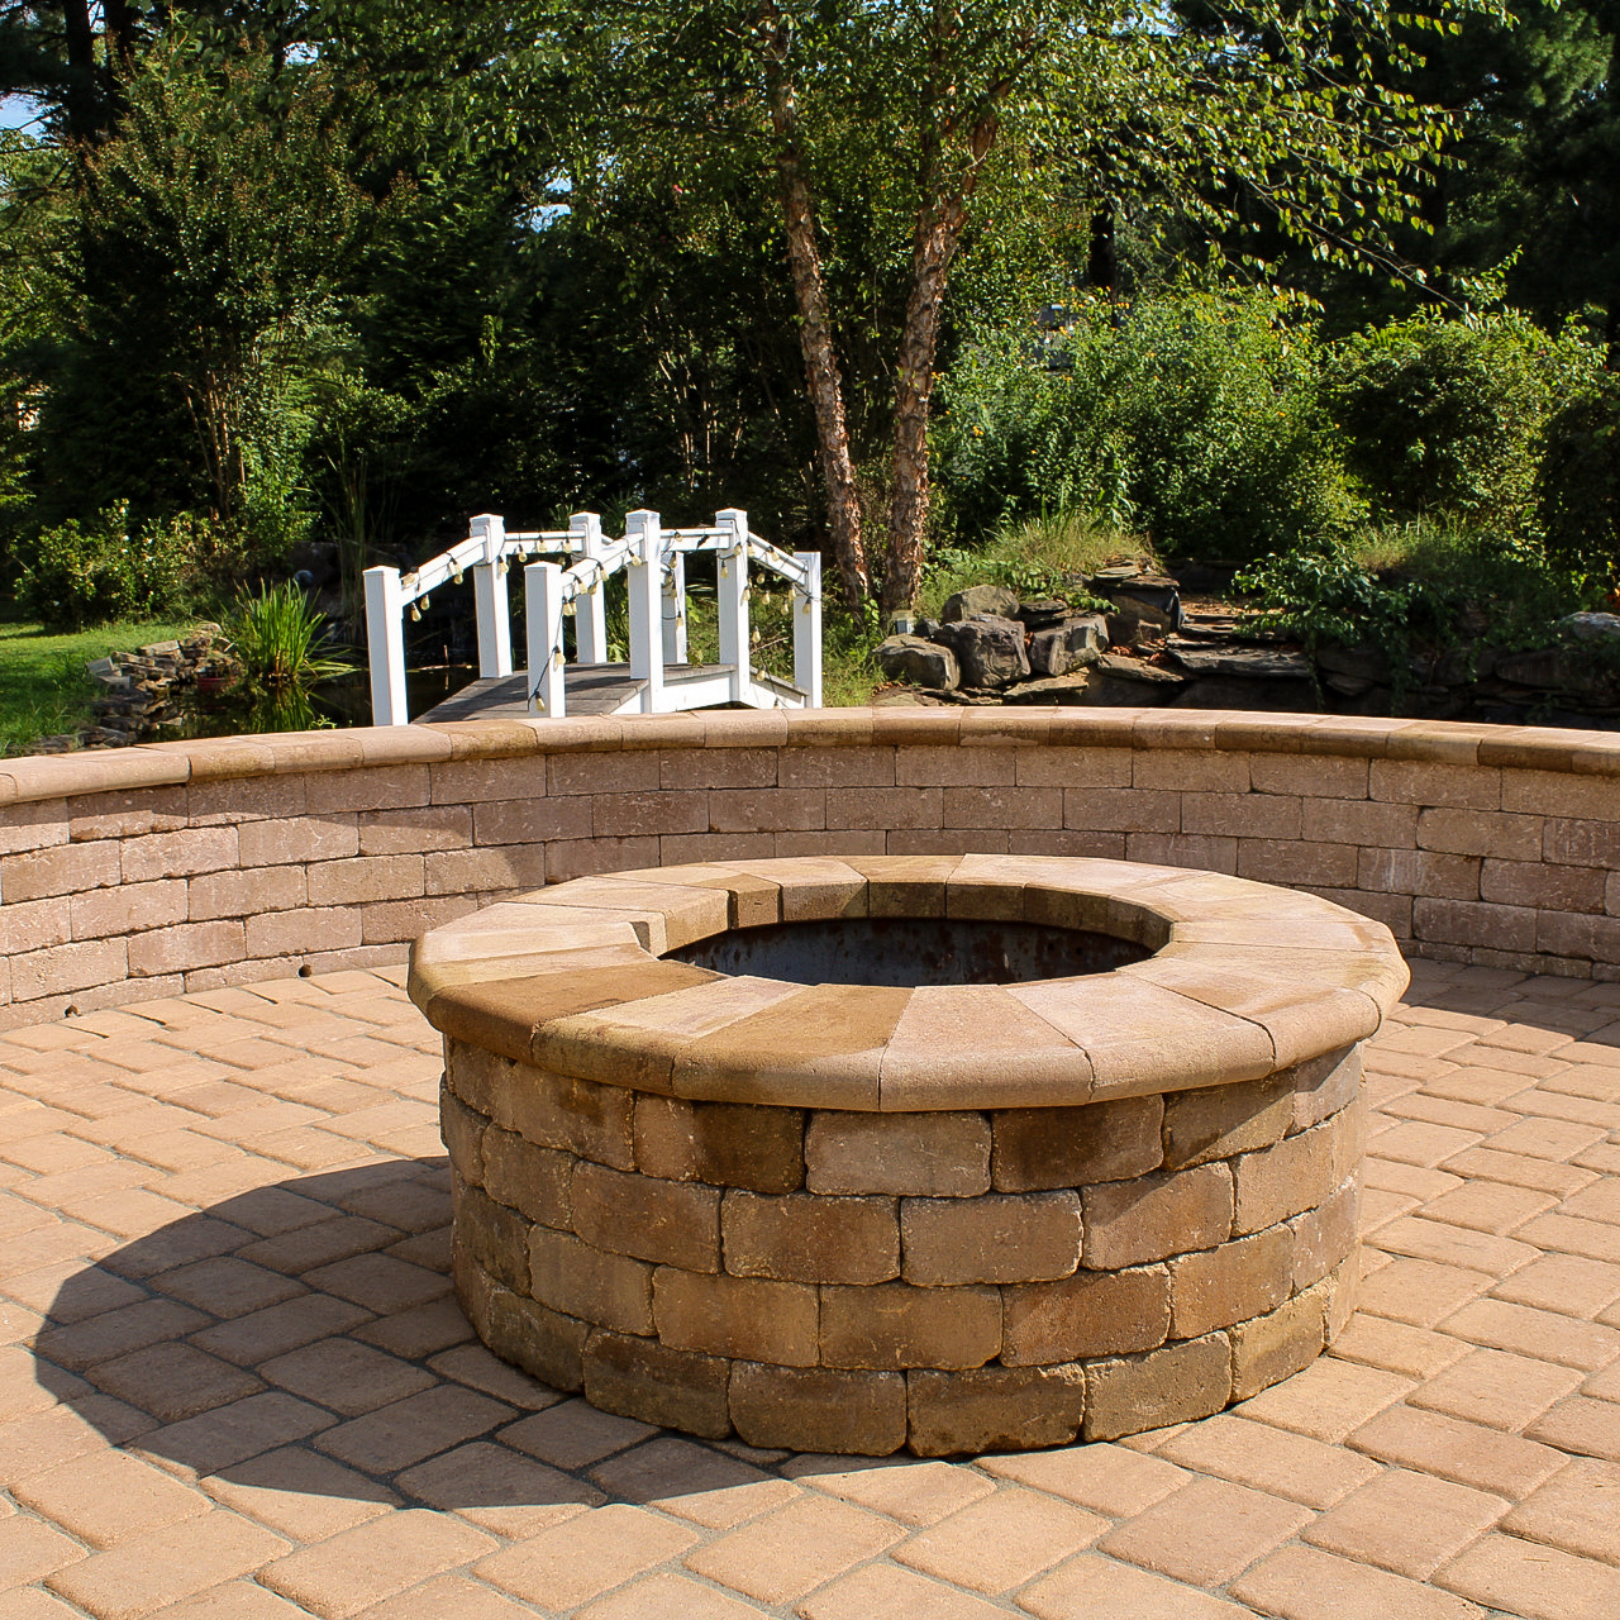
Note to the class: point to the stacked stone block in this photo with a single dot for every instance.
(946, 1282)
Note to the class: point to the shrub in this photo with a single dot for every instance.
(77, 575)
(1194, 417)
(1444, 415)
(1578, 481)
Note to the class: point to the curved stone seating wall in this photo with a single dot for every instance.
(177, 867)
(959, 1218)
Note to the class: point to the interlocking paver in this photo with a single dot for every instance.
(1407, 1522)
(1002, 1541)
(357, 1568)
(178, 1227)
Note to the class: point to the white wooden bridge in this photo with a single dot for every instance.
(657, 679)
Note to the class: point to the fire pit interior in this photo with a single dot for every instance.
(950, 1154)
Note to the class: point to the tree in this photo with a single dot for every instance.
(919, 104)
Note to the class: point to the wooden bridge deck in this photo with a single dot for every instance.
(590, 688)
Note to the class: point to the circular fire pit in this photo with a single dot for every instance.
(954, 1154)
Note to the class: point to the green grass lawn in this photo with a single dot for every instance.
(43, 687)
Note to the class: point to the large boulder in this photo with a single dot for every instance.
(921, 662)
(989, 649)
(1043, 613)
(1070, 645)
(1128, 683)
(980, 599)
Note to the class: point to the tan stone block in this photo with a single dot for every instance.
(1484, 832)
(1326, 776)
(1465, 787)
(894, 1325)
(128, 909)
(1572, 842)
(886, 808)
(1132, 1222)
(535, 821)
(551, 1110)
(1325, 1236)
(1003, 807)
(415, 829)
(35, 925)
(1241, 815)
(44, 874)
(1341, 1285)
(1270, 1348)
(497, 1238)
(770, 809)
(236, 800)
(1547, 887)
(1361, 822)
(746, 1318)
(176, 854)
(473, 781)
(646, 1380)
(570, 1276)
(944, 1155)
(1347, 1132)
(1325, 1085)
(836, 767)
(1036, 1149)
(1220, 1121)
(1176, 1384)
(1126, 810)
(996, 1238)
(1285, 1179)
(245, 894)
(485, 870)
(131, 814)
(1217, 1287)
(1197, 850)
(461, 1129)
(1274, 860)
(1094, 1313)
(1060, 765)
(387, 787)
(1190, 770)
(302, 932)
(728, 1144)
(641, 815)
(816, 1409)
(532, 1179)
(719, 768)
(993, 1409)
(939, 766)
(363, 879)
(62, 969)
(674, 1223)
(545, 1343)
(186, 945)
(394, 922)
(804, 1237)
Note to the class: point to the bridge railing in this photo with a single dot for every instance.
(654, 561)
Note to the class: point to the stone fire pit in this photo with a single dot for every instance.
(952, 1154)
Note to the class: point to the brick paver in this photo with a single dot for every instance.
(233, 1383)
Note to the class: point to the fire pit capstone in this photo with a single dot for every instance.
(954, 1154)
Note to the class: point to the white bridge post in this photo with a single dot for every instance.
(807, 630)
(645, 577)
(675, 610)
(385, 646)
(489, 593)
(543, 626)
(731, 596)
(590, 606)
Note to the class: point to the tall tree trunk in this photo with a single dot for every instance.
(821, 374)
(937, 236)
(83, 103)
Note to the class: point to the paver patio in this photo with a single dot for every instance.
(233, 1383)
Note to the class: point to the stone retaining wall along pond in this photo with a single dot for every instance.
(178, 867)
(1004, 1195)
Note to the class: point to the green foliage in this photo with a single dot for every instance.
(1422, 587)
(1578, 482)
(1193, 417)
(1446, 415)
(1044, 556)
(76, 575)
(282, 642)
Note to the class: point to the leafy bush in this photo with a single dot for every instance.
(77, 575)
(1195, 418)
(1446, 415)
(1578, 481)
